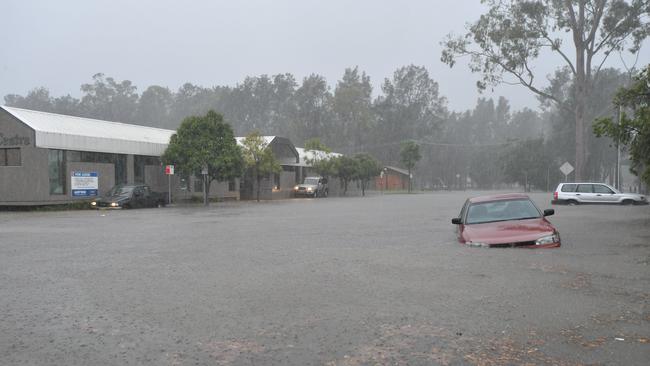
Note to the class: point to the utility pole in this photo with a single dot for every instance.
(618, 154)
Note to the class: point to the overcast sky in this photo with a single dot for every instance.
(61, 44)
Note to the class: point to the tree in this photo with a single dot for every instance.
(313, 113)
(205, 142)
(315, 144)
(633, 130)
(154, 107)
(528, 163)
(367, 168)
(37, 99)
(321, 160)
(600, 163)
(192, 100)
(259, 157)
(512, 34)
(410, 155)
(346, 169)
(352, 107)
(410, 108)
(109, 99)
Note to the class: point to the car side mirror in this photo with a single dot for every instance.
(549, 212)
(456, 221)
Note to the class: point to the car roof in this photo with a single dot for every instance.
(498, 197)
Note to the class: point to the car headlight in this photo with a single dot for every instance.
(295, 188)
(478, 244)
(309, 189)
(549, 239)
(93, 203)
(114, 204)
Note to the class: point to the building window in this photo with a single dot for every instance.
(231, 185)
(10, 157)
(120, 168)
(118, 161)
(139, 163)
(56, 164)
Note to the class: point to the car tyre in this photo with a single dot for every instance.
(627, 202)
(572, 202)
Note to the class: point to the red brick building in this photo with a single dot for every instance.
(392, 179)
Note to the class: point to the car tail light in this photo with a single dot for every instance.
(555, 195)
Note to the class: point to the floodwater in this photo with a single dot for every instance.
(335, 281)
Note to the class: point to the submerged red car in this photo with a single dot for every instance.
(504, 221)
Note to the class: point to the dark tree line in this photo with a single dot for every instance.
(481, 148)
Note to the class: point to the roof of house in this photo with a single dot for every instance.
(58, 131)
(310, 155)
(398, 170)
(267, 140)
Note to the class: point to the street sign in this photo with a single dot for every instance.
(566, 168)
(169, 169)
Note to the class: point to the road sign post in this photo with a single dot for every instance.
(566, 169)
(169, 170)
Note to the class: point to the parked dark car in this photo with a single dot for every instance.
(505, 220)
(130, 196)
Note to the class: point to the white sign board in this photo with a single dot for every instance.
(566, 168)
(84, 184)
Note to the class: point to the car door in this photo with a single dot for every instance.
(138, 197)
(148, 200)
(585, 193)
(603, 193)
(460, 228)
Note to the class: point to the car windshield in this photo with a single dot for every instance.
(120, 190)
(312, 181)
(503, 210)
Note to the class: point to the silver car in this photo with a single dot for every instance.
(579, 193)
(312, 187)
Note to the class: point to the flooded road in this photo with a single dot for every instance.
(336, 281)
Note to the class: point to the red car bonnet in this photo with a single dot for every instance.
(507, 231)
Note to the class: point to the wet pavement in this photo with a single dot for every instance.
(336, 281)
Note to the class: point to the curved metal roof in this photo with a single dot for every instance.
(58, 131)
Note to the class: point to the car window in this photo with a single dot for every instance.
(504, 210)
(599, 188)
(569, 187)
(119, 190)
(584, 188)
(462, 210)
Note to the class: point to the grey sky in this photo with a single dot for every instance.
(61, 44)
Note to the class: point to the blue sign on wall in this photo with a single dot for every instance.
(84, 184)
